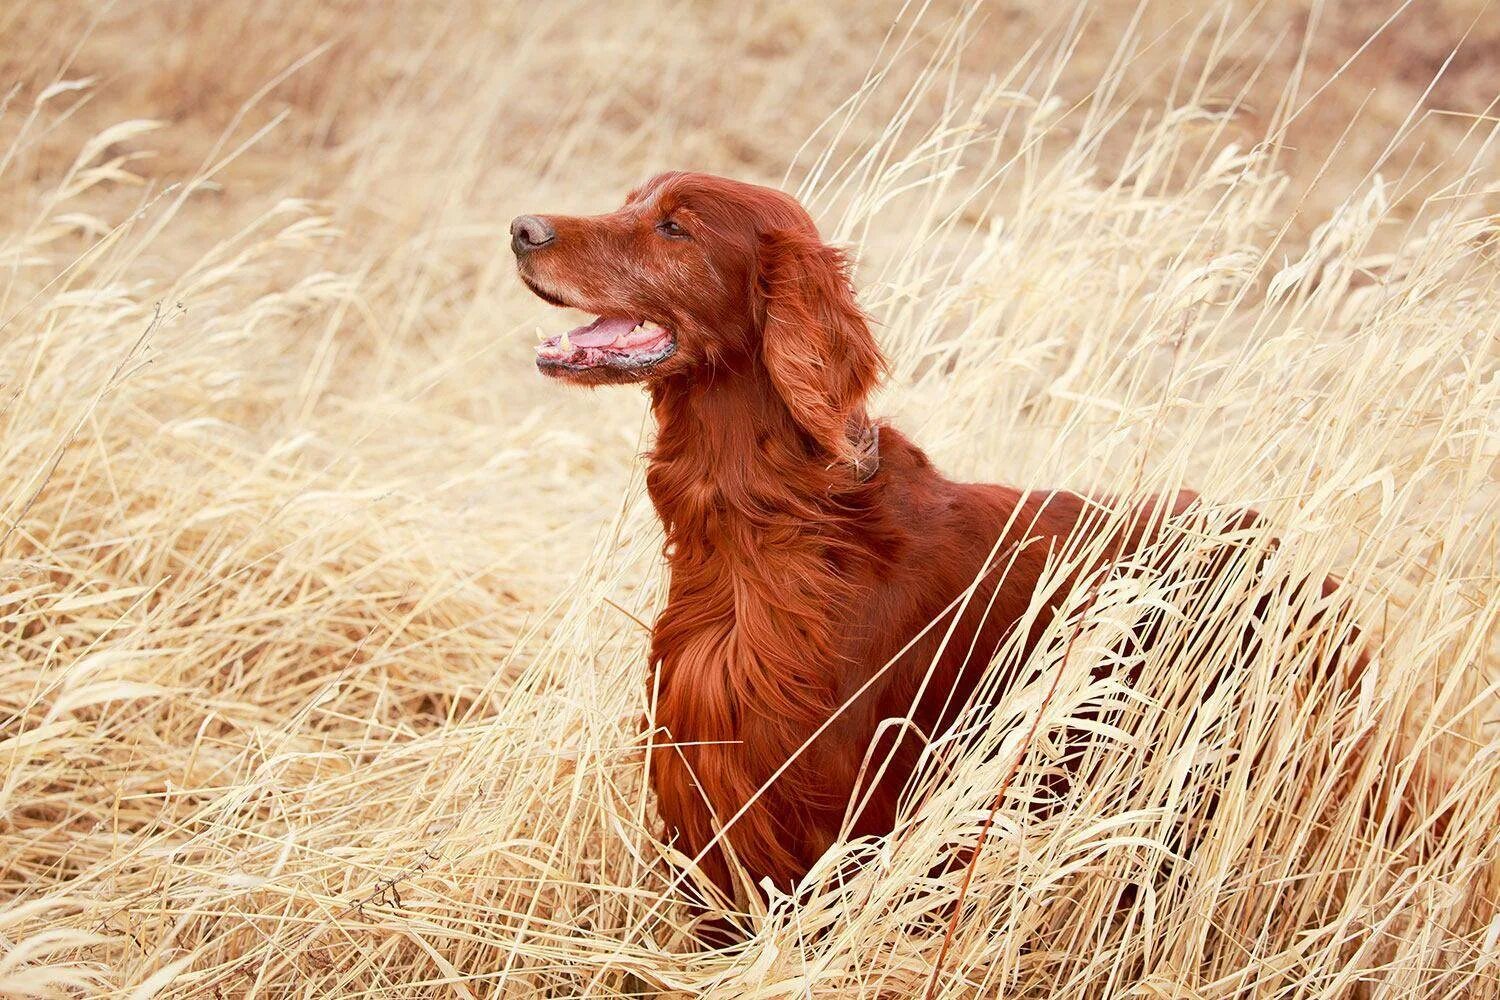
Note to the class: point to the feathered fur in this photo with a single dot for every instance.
(794, 578)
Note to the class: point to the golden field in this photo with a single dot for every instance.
(324, 616)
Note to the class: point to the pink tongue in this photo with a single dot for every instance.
(602, 332)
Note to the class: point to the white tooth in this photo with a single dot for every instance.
(540, 335)
(650, 326)
(564, 343)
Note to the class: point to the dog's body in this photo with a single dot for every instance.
(818, 578)
(788, 609)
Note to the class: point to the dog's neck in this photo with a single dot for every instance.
(728, 447)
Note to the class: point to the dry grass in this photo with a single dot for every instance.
(321, 670)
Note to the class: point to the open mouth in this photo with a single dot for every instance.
(607, 342)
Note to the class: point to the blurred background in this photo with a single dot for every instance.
(325, 614)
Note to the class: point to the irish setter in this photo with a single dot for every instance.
(807, 548)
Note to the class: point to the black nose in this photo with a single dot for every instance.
(530, 232)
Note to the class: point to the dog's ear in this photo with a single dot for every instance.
(815, 340)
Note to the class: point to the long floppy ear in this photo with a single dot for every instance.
(815, 340)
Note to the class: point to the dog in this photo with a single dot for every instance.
(819, 563)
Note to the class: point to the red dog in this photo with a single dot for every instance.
(806, 549)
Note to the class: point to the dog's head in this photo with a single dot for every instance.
(702, 275)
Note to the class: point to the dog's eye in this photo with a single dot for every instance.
(668, 227)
